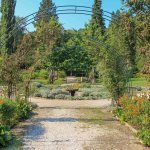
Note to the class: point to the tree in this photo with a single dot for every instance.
(114, 74)
(7, 25)
(97, 20)
(141, 12)
(19, 31)
(46, 11)
(48, 35)
(122, 37)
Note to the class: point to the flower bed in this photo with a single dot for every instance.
(136, 111)
(83, 92)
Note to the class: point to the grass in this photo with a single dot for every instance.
(140, 82)
(92, 116)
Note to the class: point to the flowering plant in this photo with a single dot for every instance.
(136, 111)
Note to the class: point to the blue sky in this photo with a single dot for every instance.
(26, 7)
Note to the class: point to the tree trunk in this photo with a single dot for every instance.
(10, 90)
(27, 91)
(51, 76)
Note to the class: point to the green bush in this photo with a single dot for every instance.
(5, 135)
(85, 85)
(85, 94)
(37, 84)
(35, 75)
(144, 135)
(24, 109)
(42, 92)
(61, 74)
(59, 81)
(68, 97)
(136, 111)
(43, 74)
(95, 94)
(60, 96)
(56, 91)
(51, 96)
(77, 98)
(8, 113)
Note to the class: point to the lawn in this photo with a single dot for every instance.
(140, 82)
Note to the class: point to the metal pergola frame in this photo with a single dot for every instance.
(67, 10)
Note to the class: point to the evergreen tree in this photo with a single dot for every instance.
(7, 22)
(46, 11)
(97, 20)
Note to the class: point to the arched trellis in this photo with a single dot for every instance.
(64, 10)
(60, 10)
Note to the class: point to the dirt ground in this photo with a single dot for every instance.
(75, 125)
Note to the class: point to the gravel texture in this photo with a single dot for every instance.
(67, 125)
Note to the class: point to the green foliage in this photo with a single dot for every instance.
(86, 92)
(59, 81)
(5, 135)
(136, 112)
(71, 57)
(144, 135)
(13, 111)
(142, 82)
(24, 109)
(46, 11)
(61, 74)
(114, 74)
(7, 25)
(60, 96)
(43, 74)
(8, 113)
(97, 20)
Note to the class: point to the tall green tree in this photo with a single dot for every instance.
(97, 20)
(72, 56)
(96, 30)
(7, 25)
(122, 37)
(141, 12)
(46, 11)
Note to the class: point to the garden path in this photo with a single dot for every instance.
(76, 125)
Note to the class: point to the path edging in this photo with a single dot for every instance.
(131, 128)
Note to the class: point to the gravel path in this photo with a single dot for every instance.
(76, 125)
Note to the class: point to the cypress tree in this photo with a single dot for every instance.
(7, 25)
(97, 16)
(46, 11)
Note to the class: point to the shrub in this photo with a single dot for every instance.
(144, 135)
(24, 109)
(136, 111)
(68, 97)
(61, 74)
(95, 94)
(51, 96)
(60, 96)
(33, 105)
(5, 135)
(85, 94)
(85, 85)
(8, 113)
(59, 81)
(37, 94)
(56, 91)
(37, 84)
(43, 74)
(42, 93)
